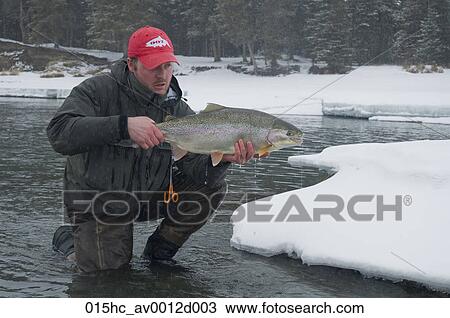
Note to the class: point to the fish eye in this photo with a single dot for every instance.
(290, 133)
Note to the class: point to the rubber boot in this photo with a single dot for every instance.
(158, 250)
(63, 240)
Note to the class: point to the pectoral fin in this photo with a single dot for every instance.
(216, 158)
(264, 150)
(178, 153)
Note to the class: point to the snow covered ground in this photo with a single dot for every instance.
(414, 248)
(110, 56)
(366, 92)
(29, 84)
(425, 120)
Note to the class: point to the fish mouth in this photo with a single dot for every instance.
(297, 140)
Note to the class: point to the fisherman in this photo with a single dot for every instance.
(109, 182)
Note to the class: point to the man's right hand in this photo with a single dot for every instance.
(143, 132)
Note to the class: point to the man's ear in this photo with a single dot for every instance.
(131, 65)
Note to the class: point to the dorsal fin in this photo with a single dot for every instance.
(211, 107)
(169, 117)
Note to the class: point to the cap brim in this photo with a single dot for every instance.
(155, 60)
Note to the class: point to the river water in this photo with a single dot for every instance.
(31, 209)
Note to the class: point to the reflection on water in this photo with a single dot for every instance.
(30, 210)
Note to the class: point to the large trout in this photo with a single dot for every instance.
(217, 128)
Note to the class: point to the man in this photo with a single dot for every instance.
(97, 127)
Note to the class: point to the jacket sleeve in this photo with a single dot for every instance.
(199, 167)
(77, 126)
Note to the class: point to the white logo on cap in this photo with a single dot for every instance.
(157, 42)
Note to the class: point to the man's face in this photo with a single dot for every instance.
(157, 80)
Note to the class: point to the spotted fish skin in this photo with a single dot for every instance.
(216, 129)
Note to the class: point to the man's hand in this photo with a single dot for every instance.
(242, 153)
(143, 131)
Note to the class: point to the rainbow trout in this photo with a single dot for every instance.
(217, 128)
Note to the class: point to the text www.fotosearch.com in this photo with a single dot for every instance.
(275, 308)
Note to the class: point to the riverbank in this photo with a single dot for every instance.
(366, 92)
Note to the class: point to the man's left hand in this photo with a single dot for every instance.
(242, 153)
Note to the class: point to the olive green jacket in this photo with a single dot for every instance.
(90, 128)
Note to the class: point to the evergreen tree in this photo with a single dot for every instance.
(9, 18)
(14, 17)
(420, 31)
(363, 15)
(385, 30)
(276, 36)
(372, 29)
(442, 8)
(294, 29)
(49, 20)
(400, 51)
(430, 47)
(316, 15)
(408, 17)
(76, 34)
(239, 23)
(172, 20)
(328, 33)
(111, 22)
(203, 25)
(61, 21)
(337, 53)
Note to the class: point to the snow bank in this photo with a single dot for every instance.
(110, 56)
(368, 91)
(389, 86)
(219, 85)
(15, 42)
(270, 94)
(368, 111)
(388, 91)
(35, 93)
(413, 248)
(425, 120)
(29, 84)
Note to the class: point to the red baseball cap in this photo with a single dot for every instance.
(151, 46)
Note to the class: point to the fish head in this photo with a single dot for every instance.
(283, 134)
